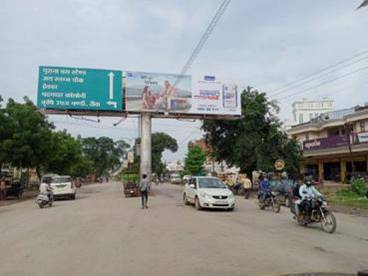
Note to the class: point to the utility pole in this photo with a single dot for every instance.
(348, 130)
(146, 145)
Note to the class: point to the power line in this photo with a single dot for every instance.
(220, 11)
(317, 77)
(324, 83)
(307, 78)
(331, 91)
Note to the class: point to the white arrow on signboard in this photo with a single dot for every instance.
(111, 85)
(114, 104)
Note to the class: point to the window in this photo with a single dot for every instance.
(300, 118)
(310, 116)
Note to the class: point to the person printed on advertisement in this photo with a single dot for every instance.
(148, 99)
(166, 94)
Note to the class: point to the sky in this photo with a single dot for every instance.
(261, 43)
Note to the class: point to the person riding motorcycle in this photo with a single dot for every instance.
(264, 186)
(46, 189)
(307, 191)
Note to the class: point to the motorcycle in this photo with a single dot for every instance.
(269, 200)
(43, 200)
(315, 210)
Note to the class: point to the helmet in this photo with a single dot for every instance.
(308, 180)
(284, 175)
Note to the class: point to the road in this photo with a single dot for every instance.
(103, 233)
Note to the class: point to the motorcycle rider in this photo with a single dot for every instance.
(307, 191)
(264, 186)
(46, 189)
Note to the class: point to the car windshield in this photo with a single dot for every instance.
(211, 183)
(60, 179)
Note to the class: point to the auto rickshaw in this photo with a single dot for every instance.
(130, 184)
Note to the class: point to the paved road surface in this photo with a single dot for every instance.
(103, 233)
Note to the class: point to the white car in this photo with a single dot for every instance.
(63, 186)
(208, 192)
(175, 179)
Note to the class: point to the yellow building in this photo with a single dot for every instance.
(335, 145)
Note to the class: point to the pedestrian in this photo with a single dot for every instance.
(144, 187)
(2, 189)
(247, 186)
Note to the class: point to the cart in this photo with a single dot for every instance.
(130, 184)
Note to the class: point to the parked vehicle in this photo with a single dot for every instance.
(15, 189)
(208, 192)
(43, 200)
(63, 186)
(315, 210)
(130, 184)
(269, 200)
(175, 179)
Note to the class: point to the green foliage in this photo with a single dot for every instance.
(255, 141)
(358, 186)
(160, 142)
(130, 177)
(349, 198)
(195, 160)
(104, 153)
(66, 156)
(25, 139)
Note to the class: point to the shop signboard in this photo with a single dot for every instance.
(325, 143)
(362, 137)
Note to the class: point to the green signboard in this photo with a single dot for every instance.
(66, 88)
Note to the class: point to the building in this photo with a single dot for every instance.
(306, 110)
(211, 166)
(335, 144)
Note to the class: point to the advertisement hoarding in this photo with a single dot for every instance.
(212, 95)
(65, 88)
(154, 92)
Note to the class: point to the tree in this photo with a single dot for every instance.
(67, 156)
(255, 141)
(195, 160)
(26, 140)
(160, 142)
(104, 153)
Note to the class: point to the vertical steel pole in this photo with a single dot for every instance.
(146, 145)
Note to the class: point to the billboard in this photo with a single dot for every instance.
(155, 92)
(211, 95)
(66, 88)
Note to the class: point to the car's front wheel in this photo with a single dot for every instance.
(197, 204)
(72, 197)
